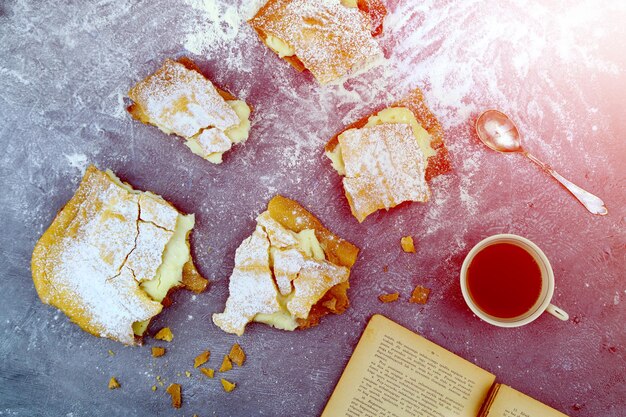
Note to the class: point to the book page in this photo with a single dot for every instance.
(394, 372)
(508, 402)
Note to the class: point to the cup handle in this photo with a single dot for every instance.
(557, 312)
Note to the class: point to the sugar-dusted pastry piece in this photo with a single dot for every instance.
(179, 100)
(330, 38)
(377, 156)
(289, 273)
(111, 256)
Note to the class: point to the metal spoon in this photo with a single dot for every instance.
(497, 131)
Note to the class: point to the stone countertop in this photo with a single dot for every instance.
(65, 68)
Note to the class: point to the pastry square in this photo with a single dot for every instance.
(330, 38)
(179, 100)
(112, 255)
(289, 273)
(389, 157)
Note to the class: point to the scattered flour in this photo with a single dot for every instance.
(78, 161)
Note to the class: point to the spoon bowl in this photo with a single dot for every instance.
(496, 130)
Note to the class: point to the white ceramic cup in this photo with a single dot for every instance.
(547, 285)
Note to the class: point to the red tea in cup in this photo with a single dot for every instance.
(504, 280)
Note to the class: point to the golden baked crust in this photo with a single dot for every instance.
(327, 38)
(275, 275)
(100, 249)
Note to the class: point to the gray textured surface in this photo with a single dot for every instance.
(64, 69)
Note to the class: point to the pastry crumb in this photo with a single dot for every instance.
(228, 386)
(164, 334)
(158, 351)
(420, 295)
(154, 388)
(209, 372)
(407, 244)
(113, 384)
(111, 353)
(389, 298)
(201, 359)
(237, 355)
(188, 374)
(174, 391)
(227, 365)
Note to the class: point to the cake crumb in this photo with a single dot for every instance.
(227, 365)
(389, 298)
(237, 355)
(188, 374)
(113, 384)
(157, 351)
(407, 244)
(154, 388)
(164, 334)
(201, 359)
(228, 386)
(420, 295)
(175, 392)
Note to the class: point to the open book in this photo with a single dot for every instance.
(397, 373)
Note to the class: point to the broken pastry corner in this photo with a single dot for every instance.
(113, 384)
(201, 359)
(420, 295)
(389, 298)
(179, 100)
(174, 390)
(133, 246)
(164, 334)
(237, 355)
(406, 142)
(300, 32)
(227, 385)
(299, 271)
(407, 244)
(227, 365)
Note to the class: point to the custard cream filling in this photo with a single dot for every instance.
(176, 253)
(279, 46)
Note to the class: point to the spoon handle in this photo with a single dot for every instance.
(592, 203)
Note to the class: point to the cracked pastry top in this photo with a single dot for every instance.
(330, 38)
(178, 99)
(289, 273)
(389, 157)
(112, 255)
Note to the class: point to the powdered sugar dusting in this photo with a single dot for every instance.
(384, 167)
(181, 101)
